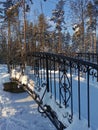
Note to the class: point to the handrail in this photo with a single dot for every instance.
(58, 72)
(65, 65)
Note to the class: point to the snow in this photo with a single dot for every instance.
(19, 111)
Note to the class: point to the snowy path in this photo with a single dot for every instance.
(19, 111)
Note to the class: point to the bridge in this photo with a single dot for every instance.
(60, 84)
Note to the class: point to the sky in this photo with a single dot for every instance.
(47, 7)
(40, 6)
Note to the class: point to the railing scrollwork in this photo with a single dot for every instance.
(58, 72)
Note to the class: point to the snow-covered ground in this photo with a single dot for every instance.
(19, 111)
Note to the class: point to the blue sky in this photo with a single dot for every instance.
(46, 6)
(40, 6)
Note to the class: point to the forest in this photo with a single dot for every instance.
(20, 35)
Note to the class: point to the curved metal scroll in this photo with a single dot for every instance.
(65, 88)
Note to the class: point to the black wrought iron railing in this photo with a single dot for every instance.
(91, 57)
(62, 76)
(70, 82)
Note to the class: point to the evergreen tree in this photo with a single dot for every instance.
(79, 11)
(43, 27)
(58, 18)
(66, 38)
(91, 26)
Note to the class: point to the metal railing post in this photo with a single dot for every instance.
(88, 96)
(71, 89)
(79, 100)
(47, 73)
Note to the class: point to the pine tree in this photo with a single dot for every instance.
(66, 38)
(91, 26)
(11, 15)
(58, 18)
(79, 16)
(42, 30)
(96, 8)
